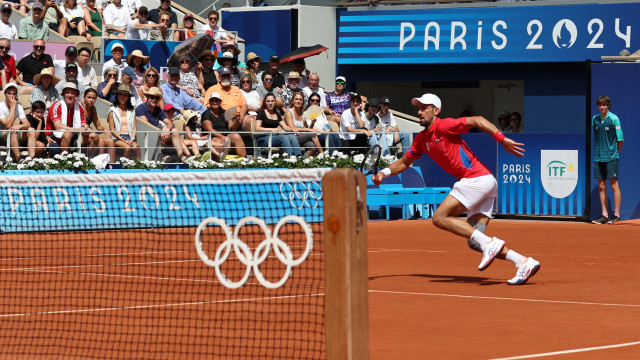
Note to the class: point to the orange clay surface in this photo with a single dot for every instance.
(428, 300)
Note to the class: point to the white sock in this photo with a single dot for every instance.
(515, 258)
(480, 238)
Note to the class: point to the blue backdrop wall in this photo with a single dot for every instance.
(619, 81)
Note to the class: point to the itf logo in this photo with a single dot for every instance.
(559, 172)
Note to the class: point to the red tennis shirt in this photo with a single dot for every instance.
(443, 144)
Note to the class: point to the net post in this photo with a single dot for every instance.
(345, 245)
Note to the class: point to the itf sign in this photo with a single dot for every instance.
(559, 33)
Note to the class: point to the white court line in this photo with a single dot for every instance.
(570, 351)
(504, 298)
(155, 306)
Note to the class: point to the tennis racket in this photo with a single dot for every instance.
(371, 159)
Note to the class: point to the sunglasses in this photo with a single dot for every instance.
(213, 18)
(143, 13)
(207, 59)
(112, 75)
(152, 75)
(246, 81)
(184, 61)
(340, 82)
(38, 47)
(314, 100)
(5, 48)
(153, 97)
(268, 80)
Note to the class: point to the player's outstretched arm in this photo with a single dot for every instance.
(396, 167)
(486, 126)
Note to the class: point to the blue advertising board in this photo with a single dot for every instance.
(551, 33)
(548, 180)
(141, 200)
(265, 33)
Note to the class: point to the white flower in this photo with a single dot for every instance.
(358, 158)
(275, 156)
(307, 160)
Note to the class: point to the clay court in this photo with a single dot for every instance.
(429, 301)
(80, 294)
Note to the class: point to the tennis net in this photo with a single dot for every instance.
(163, 265)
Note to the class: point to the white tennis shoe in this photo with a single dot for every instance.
(525, 271)
(489, 253)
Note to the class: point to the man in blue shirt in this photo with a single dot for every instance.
(177, 97)
(607, 143)
(154, 115)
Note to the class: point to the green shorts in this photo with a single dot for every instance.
(606, 170)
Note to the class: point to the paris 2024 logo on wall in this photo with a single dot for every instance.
(559, 172)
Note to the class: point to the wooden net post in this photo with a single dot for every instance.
(345, 247)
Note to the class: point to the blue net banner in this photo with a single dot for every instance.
(156, 199)
(548, 180)
(551, 33)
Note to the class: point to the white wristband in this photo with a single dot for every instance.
(386, 172)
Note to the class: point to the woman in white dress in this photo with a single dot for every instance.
(122, 123)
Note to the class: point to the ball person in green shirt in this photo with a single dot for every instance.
(607, 143)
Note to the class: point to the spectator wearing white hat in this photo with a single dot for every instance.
(66, 121)
(117, 50)
(338, 100)
(10, 113)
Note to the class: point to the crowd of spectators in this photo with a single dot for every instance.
(220, 98)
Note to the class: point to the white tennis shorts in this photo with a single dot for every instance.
(476, 194)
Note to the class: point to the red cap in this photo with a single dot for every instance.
(167, 107)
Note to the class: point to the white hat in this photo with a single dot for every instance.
(10, 85)
(117, 45)
(428, 99)
(215, 95)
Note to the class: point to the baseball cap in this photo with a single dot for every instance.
(427, 99)
(385, 99)
(10, 85)
(215, 95)
(129, 71)
(374, 102)
(71, 50)
(37, 5)
(341, 78)
(174, 70)
(224, 71)
(115, 45)
(143, 10)
(188, 16)
(71, 66)
(274, 58)
(167, 107)
(354, 96)
(5, 6)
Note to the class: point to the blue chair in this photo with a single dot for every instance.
(420, 197)
(389, 193)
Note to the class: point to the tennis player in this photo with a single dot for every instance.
(476, 190)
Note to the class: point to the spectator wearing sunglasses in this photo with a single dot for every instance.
(165, 32)
(214, 30)
(31, 65)
(151, 80)
(189, 79)
(293, 88)
(7, 29)
(107, 88)
(165, 6)
(207, 76)
(278, 78)
(337, 101)
(9, 62)
(267, 85)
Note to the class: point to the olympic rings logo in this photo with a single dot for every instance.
(253, 260)
(302, 194)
